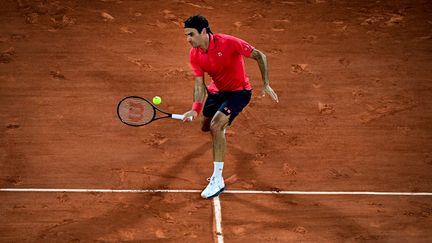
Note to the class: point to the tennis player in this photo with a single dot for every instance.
(221, 56)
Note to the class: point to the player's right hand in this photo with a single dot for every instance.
(190, 116)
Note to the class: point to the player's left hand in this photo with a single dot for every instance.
(267, 89)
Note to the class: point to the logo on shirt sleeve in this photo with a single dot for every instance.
(220, 54)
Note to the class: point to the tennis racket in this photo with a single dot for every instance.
(136, 111)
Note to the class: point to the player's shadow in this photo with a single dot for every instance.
(170, 175)
(128, 213)
(293, 204)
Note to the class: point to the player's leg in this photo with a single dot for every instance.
(234, 103)
(205, 124)
(216, 184)
(211, 106)
(218, 125)
(230, 108)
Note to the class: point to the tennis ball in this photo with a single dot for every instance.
(157, 100)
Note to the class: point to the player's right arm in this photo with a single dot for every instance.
(200, 92)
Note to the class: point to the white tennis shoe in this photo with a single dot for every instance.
(214, 188)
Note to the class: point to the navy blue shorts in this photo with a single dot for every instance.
(231, 103)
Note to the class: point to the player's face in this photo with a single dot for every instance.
(193, 37)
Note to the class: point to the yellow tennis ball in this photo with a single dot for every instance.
(157, 100)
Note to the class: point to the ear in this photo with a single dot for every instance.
(204, 31)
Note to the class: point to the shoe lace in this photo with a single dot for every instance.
(211, 180)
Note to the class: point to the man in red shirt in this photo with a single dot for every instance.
(221, 56)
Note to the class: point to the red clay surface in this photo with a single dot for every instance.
(355, 89)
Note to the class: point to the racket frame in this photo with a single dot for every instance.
(155, 109)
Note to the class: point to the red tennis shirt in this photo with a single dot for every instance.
(223, 62)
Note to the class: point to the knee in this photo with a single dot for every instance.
(216, 127)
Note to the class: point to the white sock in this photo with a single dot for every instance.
(217, 169)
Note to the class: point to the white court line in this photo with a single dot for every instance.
(227, 191)
(94, 190)
(216, 200)
(331, 193)
(218, 219)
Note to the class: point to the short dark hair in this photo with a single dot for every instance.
(197, 22)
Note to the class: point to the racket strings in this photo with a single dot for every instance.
(135, 111)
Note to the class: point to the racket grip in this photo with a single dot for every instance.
(178, 117)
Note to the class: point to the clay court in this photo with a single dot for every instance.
(345, 156)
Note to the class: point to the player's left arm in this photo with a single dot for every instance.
(262, 63)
